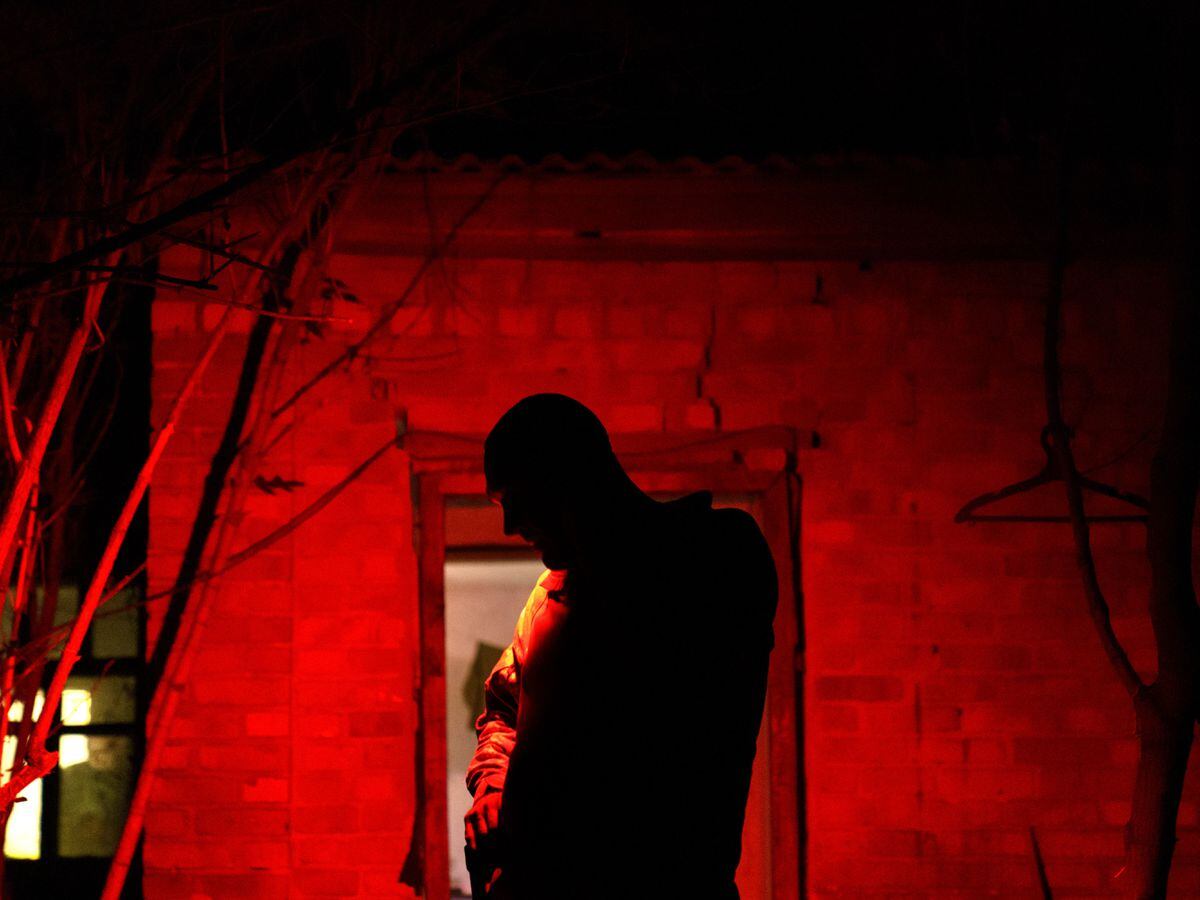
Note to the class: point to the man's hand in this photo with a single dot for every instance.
(483, 819)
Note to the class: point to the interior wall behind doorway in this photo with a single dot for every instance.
(484, 596)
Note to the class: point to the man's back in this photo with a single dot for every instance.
(640, 700)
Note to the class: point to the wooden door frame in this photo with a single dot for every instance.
(451, 472)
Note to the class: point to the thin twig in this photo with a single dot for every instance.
(260, 310)
(6, 398)
(19, 602)
(206, 200)
(1059, 436)
(37, 648)
(27, 472)
(231, 562)
(389, 312)
(38, 760)
(223, 250)
(185, 617)
(133, 274)
(300, 518)
(1040, 867)
(313, 206)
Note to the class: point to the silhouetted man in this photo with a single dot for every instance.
(619, 728)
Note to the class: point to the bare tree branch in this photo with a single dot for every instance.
(1060, 446)
(27, 472)
(38, 760)
(390, 311)
(205, 200)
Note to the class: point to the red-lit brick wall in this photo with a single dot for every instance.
(955, 692)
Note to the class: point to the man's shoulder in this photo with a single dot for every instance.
(552, 580)
(715, 543)
(736, 531)
(735, 522)
(740, 550)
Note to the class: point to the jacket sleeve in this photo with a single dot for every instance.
(496, 728)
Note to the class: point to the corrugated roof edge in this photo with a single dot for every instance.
(641, 162)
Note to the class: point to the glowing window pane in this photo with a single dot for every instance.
(17, 709)
(24, 836)
(76, 707)
(72, 750)
(110, 700)
(64, 612)
(94, 795)
(115, 629)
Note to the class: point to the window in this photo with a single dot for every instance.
(76, 812)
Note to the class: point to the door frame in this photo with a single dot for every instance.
(451, 466)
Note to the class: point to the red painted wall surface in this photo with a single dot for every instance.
(956, 694)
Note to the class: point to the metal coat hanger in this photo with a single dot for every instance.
(1049, 474)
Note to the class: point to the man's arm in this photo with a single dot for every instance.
(496, 728)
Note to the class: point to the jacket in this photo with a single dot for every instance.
(620, 724)
(496, 727)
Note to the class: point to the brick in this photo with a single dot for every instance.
(190, 789)
(690, 321)
(267, 724)
(265, 790)
(326, 785)
(517, 321)
(265, 660)
(379, 724)
(176, 757)
(242, 822)
(196, 722)
(575, 322)
(249, 629)
(328, 818)
(385, 751)
(314, 882)
(242, 691)
(245, 756)
(624, 321)
(942, 718)
(175, 855)
(633, 417)
(656, 355)
(242, 886)
(1060, 751)
(999, 657)
(863, 688)
(168, 822)
(321, 725)
(380, 882)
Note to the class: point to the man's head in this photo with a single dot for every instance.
(549, 463)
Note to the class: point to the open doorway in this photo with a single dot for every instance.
(474, 583)
(484, 596)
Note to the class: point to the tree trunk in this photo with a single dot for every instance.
(1166, 711)
(1164, 745)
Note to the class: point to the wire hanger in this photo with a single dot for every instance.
(1048, 475)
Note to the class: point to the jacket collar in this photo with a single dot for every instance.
(553, 580)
